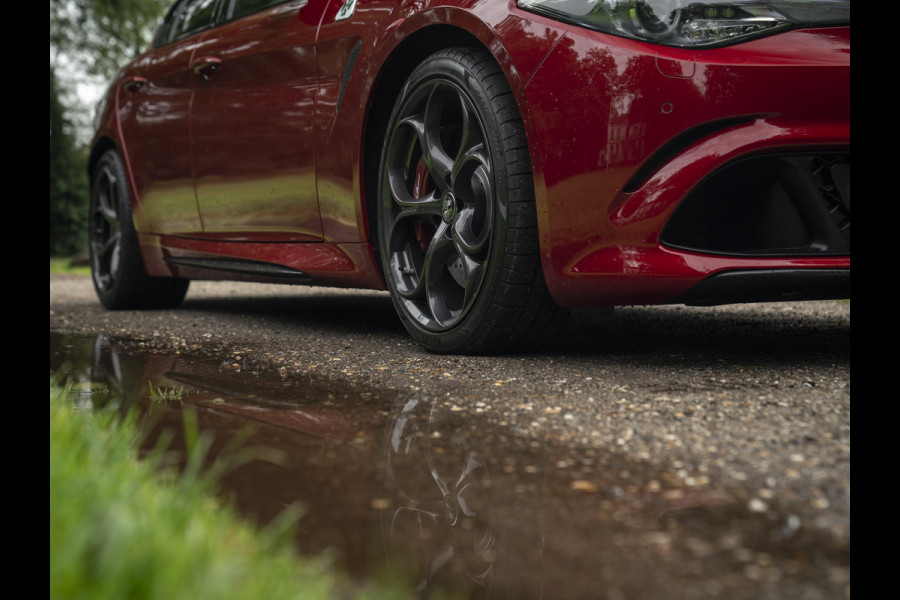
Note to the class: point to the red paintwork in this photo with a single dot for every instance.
(595, 107)
(600, 244)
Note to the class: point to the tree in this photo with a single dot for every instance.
(101, 35)
(68, 183)
(88, 38)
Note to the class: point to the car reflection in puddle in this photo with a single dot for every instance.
(443, 498)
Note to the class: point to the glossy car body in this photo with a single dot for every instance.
(253, 148)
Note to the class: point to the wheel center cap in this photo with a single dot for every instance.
(448, 206)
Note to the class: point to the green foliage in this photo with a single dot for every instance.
(102, 35)
(122, 528)
(164, 394)
(87, 38)
(68, 267)
(68, 182)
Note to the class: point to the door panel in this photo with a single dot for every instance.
(154, 107)
(252, 117)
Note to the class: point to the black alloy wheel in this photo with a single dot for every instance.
(456, 220)
(120, 280)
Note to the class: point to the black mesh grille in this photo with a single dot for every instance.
(832, 173)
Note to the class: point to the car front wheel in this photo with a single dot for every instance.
(457, 231)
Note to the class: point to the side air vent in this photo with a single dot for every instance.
(348, 69)
(679, 144)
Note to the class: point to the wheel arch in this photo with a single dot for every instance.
(456, 28)
(100, 147)
(394, 72)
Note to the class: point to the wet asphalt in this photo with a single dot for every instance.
(741, 412)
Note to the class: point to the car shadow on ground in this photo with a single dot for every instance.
(774, 333)
(762, 333)
(337, 313)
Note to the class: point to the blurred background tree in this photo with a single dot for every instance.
(89, 41)
(68, 182)
(101, 35)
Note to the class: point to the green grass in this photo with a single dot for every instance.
(166, 395)
(66, 266)
(122, 528)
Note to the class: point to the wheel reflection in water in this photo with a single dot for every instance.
(442, 521)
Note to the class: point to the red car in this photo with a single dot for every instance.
(492, 163)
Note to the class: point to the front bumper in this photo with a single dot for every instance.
(656, 168)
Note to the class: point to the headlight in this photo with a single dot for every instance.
(689, 24)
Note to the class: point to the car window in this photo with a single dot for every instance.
(163, 32)
(186, 18)
(242, 8)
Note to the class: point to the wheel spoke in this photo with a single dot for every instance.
(406, 268)
(437, 132)
(428, 207)
(452, 279)
(468, 161)
(442, 484)
(412, 520)
(407, 142)
(442, 293)
(107, 212)
(475, 221)
(468, 274)
(115, 257)
(107, 203)
(472, 464)
(474, 538)
(440, 560)
(107, 247)
(401, 173)
(106, 257)
(471, 183)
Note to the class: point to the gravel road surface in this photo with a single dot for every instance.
(751, 401)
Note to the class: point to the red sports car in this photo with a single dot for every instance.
(492, 163)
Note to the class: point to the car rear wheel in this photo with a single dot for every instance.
(457, 230)
(120, 280)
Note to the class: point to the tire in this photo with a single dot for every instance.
(120, 279)
(457, 231)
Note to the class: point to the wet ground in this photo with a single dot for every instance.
(445, 492)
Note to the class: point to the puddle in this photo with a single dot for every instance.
(443, 500)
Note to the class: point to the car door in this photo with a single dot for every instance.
(255, 82)
(154, 99)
